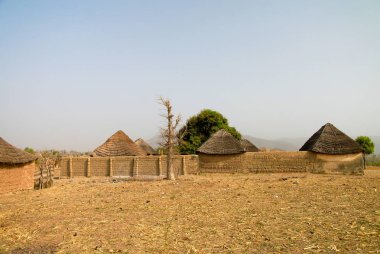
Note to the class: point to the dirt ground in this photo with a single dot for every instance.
(218, 213)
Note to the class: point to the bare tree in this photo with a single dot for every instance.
(169, 135)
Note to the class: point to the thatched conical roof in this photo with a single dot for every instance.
(249, 146)
(145, 146)
(329, 140)
(119, 144)
(12, 155)
(221, 142)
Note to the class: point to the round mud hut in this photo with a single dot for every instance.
(249, 146)
(334, 151)
(119, 144)
(17, 168)
(146, 147)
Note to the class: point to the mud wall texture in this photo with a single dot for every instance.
(126, 166)
(16, 177)
(262, 162)
(250, 162)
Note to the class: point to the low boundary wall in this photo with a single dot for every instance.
(126, 166)
(262, 162)
(258, 162)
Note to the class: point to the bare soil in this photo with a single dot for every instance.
(218, 213)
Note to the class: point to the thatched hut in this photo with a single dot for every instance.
(17, 168)
(145, 146)
(249, 146)
(336, 151)
(119, 144)
(221, 143)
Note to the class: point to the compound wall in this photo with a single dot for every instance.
(126, 166)
(261, 162)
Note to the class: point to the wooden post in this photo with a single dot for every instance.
(135, 166)
(159, 166)
(71, 175)
(111, 169)
(88, 167)
(184, 170)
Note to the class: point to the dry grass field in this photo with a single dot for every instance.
(221, 213)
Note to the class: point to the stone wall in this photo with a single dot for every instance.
(262, 162)
(16, 177)
(126, 166)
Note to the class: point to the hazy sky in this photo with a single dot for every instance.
(74, 72)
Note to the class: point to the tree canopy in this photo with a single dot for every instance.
(366, 143)
(200, 127)
(29, 150)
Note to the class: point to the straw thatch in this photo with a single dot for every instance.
(12, 155)
(249, 146)
(145, 146)
(222, 142)
(119, 144)
(329, 140)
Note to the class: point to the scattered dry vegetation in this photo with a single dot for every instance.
(251, 213)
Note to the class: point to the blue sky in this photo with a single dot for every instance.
(74, 72)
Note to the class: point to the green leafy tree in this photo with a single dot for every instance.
(366, 143)
(29, 150)
(200, 127)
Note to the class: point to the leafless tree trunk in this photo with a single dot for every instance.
(169, 135)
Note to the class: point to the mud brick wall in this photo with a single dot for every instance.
(335, 164)
(262, 162)
(98, 166)
(255, 162)
(122, 166)
(64, 168)
(177, 165)
(126, 166)
(220, 163)
(16, 177)
(80, 166)
(277, 162)
(191, 164)
(148, 166)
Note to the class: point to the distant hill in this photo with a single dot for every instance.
(154, 141)
(287, 144)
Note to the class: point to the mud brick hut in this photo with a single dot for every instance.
(334, 152)
(17, 168)
(248, 146)
(119, 144)
(146, 147)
